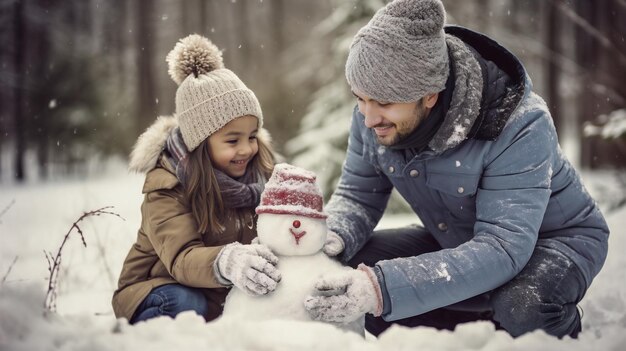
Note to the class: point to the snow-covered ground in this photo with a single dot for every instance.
(35, 217)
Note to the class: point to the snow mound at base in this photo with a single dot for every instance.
(24, 327)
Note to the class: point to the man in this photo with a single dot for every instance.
(447, 117)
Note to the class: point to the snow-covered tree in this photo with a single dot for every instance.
(612, 128)
(323, 138)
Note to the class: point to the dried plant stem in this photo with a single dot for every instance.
(54, 262)
(6, 275)
(7, 208)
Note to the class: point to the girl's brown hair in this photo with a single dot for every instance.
(203, 190)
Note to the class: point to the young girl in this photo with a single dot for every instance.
(205, 171)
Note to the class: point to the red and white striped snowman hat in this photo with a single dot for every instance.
(292, 190)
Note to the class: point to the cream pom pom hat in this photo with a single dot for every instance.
(208, 95)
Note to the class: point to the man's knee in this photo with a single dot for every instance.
(386, 244)
(516, 309)
(520, 310)
(543, 295)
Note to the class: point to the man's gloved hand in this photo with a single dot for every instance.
(344, 297)
(251, 268)
(334, 244)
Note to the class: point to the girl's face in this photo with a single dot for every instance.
(233, 147)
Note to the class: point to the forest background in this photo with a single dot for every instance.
(81, 79)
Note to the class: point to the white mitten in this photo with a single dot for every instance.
(344, 297)
(251, 268)
(334, 244)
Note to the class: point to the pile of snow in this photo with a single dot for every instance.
(24, 327)
(43, 212)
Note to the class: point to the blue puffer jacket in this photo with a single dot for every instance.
(488, 199)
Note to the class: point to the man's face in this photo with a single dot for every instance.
(392, 122)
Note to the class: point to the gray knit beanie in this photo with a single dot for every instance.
(401, 54)
(209, 95)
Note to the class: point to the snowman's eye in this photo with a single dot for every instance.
(296, 224)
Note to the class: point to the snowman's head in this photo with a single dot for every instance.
(291, 220)
(291, 235)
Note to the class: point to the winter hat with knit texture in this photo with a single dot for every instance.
(208, 95)
(401, 54)
(292, 190)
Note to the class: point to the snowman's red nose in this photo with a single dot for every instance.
(296, 224)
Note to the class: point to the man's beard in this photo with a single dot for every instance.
(404, 129)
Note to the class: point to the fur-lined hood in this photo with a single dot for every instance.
(150, 144)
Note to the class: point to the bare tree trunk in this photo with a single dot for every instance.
(519, 12)
(586, 53)
(115, 30)
(276, 105)
(186, 18)
(204, 18)
(20, 137)
(245, 45)
(552, 67)
(483, 11)
(146, 111)
(277, 13)
(5, 103)
(618, 12)
(39, 99)
(6, 29)
(610, 71)
(194, 18)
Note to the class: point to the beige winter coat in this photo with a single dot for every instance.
(168, 248)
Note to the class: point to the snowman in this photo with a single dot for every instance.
(291, 222)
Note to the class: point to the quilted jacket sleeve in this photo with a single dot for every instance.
(359, 201)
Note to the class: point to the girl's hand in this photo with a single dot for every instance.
(251, 268)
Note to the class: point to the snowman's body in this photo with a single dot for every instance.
(293, 226)
(299, 274)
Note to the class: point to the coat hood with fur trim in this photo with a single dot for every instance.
(150, 144)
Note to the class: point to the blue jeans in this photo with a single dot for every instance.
(170, 300)
(556, 283)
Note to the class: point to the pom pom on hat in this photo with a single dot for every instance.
(292, 191)
(427, 16)
(195, 55)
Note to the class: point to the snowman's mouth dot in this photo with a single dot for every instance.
(297, 236)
